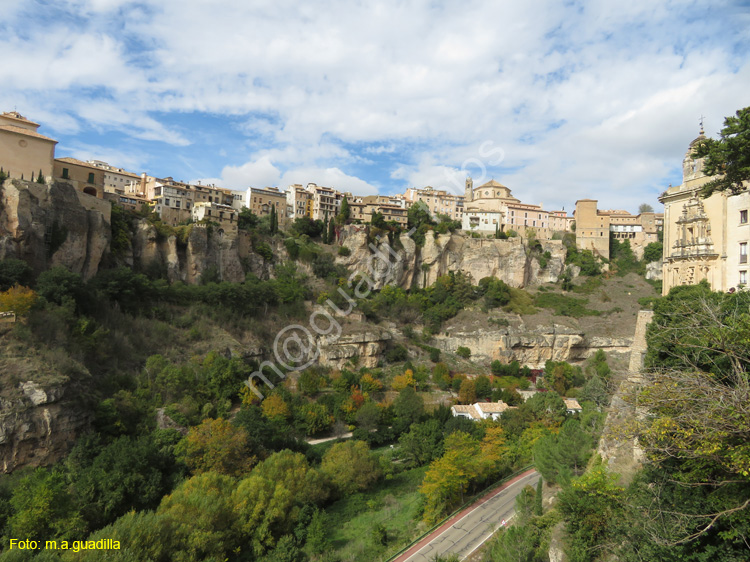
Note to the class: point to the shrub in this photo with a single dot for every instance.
(396, 354)
(464, 352)
(344, 251)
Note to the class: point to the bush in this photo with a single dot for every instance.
(464, 352)
(14, 272)
(564, 305)
(344, 251)
(396, 354)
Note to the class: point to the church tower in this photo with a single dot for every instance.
(469, 191)
(692, 167)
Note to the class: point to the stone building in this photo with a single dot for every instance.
(85, 177)
(225, 215)
(299, 201)
(23, 151)
(594, 227)
(491, 206)
(438, 201)
(392, 207)
(261, 200)
(704, 238)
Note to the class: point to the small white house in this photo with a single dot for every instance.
(480, 410)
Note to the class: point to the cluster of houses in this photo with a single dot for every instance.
(493, 410)
(485, 209)
(704, 239)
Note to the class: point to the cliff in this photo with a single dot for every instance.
(40, 411)
(407, 265)
(53, 224)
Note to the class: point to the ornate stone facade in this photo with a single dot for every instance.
(704, 238)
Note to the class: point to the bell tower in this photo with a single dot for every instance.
(469, 191)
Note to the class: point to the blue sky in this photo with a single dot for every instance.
(557, 100)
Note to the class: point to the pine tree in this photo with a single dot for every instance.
(344, 213)
(40, 177)
(274, 227)
(538, 506)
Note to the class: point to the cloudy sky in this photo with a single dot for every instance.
(557, 100)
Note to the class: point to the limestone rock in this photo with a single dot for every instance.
(53, 224)
(654, 270)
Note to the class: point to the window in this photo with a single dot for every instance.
(166, 202)
(91, 177)
(743, 252)
(177, 204)
(65, 174)
(743, 217)
(743, 277)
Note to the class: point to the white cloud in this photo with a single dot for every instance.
(329, 177)
(595, 96)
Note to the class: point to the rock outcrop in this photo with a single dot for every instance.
(53, 224)
(532, 346)
(38, 426)
(405, 264)
(363, 346)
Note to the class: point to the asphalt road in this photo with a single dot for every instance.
(469, 529)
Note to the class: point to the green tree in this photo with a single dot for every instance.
(467, 393)
(729, 157)
(464, 352)
(274, 223)
(645, 208)
(315, 418)
(331, 232)
(40, 177)
(60, 286)
(653, 252)
(350, 466)
(201, 518)
(43, 508)
(268, 503)
(590, 506)
(317, 533)
(247, 220)
(408, 408)
(216, 445)
(344, 212)
(422, 444)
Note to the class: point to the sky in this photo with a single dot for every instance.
(558, 100)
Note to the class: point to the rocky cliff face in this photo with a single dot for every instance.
(532, 346)
(406, 265)
(53, 224)
(203, 250)
(38, 427)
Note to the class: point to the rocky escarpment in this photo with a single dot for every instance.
(532, 346)
(405, 264)
(40, 410)
(38, 427)
(53, 224)
(203, 250)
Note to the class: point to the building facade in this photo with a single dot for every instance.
(491, 207)
(438, 201)
(704, 239)
(594, 227)
(85, 177)
(23, 151)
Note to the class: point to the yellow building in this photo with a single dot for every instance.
(85, 177)
(704, 238)
(438, 201)
(225, 215)
(261, 201)
(23, 151)
(594, 228)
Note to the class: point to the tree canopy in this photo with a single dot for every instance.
(728, 157)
